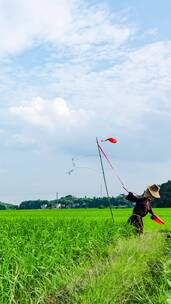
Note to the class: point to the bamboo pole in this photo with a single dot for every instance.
(104, 178)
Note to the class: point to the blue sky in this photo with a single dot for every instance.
(148, 14)
(72, 70)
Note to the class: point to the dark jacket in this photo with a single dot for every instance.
(142, 206)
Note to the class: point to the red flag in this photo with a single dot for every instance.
(157, 219)
(111, 139)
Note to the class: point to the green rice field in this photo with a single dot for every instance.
(80, 256)
(120, 215)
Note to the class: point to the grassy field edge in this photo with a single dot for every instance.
(132, 273)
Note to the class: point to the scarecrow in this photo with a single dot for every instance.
(142, 207)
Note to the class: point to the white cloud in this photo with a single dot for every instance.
(115, 99)
(23, 22)
(94, 29)
(24, 139)
(64, 23)
(109, 87)
(50, 114)
(124, 92)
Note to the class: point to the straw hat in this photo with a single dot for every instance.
(154, 191)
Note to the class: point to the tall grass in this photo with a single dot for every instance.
(134, 275)
(167, 270)
(39, 256)
(78, 256)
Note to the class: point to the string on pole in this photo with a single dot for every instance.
(118, 177)
(104, 177)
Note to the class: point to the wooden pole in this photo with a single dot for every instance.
(104, 178)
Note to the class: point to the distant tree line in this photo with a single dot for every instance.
(70, 201)
(5, 206)
(165, 196)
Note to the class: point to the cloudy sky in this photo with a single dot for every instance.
(71, 70)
